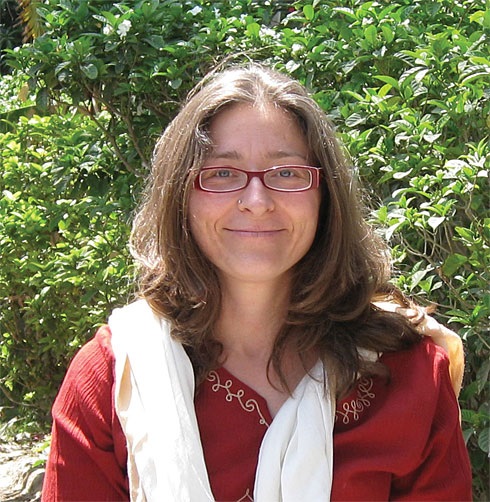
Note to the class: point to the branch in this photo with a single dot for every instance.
(8, 395)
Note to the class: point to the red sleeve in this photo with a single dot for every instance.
(401, 439)
(444, 472)
(87, 459)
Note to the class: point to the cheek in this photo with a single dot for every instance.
(311, 215)
(192, 205)
(195, 226)
(202, 215)
(193, 212)
(196, 208)
(312, 209)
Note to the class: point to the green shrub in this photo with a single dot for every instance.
(64, 211)
(135, 60)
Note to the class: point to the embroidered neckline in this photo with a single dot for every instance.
(248, 405)
(351, 409)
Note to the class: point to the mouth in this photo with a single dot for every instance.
(254, 232)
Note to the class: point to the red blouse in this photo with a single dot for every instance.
(395, 440)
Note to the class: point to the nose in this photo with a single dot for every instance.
(256, 198)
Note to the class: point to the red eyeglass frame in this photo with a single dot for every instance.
(314, 171)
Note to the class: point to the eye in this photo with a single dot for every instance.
(217, 172)
(223, 173)
(292, 172)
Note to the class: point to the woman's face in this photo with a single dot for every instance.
(255, 234)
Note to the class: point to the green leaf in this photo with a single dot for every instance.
(482, 375)
(477, 75)
(467, 415)
(388, 33)
(435, 221)
(416, 278)
(484, 440)
(346, 11)
(110, 17)
(370, 33)
(176, 83)
(482, 17)
(465, 233)
(399, 175)
(42, 98)
(354, 120)
(388, 80)
(253, 30)
(156, 41)
(309, 12)
(453, 263)
(467, 433)
(90, 71)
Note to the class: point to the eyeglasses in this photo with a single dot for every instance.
(220, 179)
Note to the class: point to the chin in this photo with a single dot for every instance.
(258, 274)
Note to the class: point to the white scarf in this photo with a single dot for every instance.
(154, 400)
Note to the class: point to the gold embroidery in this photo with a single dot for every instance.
(249, 405)
(355, 406)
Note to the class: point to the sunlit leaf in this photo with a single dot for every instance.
(309, 12)
(435, 221)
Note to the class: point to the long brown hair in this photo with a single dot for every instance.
(331, 307)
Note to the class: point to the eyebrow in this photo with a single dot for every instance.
(229, 155)
(234, 155)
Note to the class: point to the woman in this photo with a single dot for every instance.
(261, 361)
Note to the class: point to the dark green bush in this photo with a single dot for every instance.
(64, 213)
(10, 31)
(406, 83)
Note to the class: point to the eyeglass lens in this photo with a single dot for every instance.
(225, 179)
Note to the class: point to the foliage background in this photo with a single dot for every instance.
(82, 101)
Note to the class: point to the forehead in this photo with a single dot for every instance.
(244, 129)
(243, 113)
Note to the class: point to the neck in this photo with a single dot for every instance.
(251, 317)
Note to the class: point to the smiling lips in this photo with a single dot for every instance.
(254, 232)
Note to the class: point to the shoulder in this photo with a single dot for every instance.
(418, 379)
(90, 375)
(87, 440)
(426, 350)
(96, 355)
(400, 437)
(424, 365)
